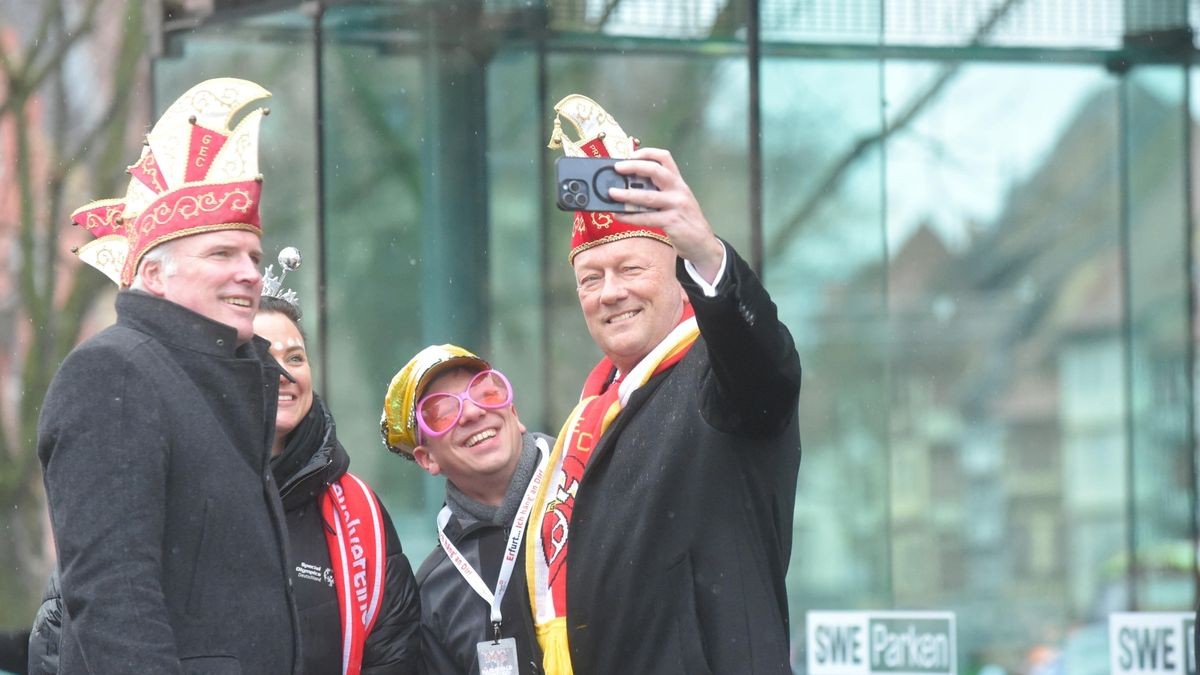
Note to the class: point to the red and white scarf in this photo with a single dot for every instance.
(549, 532)
(358, 550)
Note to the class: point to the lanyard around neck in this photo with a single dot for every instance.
(494, 598)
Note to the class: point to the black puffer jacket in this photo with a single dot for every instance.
(47, 625)
(394, 643)
(454, 619)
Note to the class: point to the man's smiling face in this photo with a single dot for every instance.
(629, 295)
(481, 450)
(215, 274)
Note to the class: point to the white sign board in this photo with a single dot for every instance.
(897, 643)
(1152, 643)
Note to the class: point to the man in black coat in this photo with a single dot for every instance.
(493, 467)
(665, 535)
(154, 436)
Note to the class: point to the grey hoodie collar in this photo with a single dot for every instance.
(468, 511)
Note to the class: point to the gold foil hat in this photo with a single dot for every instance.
(399, 423)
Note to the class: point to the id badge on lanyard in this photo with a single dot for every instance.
(496, 656)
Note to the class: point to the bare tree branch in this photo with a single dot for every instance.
(35, 303)
(53, 11)
(48, 263)
(6, 66)
(59, 330)
(833, 177)
(85, 285)
(34, 78)
(25, 78)
(608, 12)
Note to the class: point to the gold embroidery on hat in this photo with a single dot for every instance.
(616, 237)
(191, 206)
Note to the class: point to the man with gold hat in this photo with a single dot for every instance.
(453, 414)
(155, 434)
(664, 531)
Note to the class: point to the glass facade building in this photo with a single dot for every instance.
(976, 217)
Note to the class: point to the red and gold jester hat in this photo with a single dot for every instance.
(599, 136)
(195, 175)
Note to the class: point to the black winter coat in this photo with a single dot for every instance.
(682, 529)
(154, 439)
(394, 643)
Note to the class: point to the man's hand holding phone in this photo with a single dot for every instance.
(647, 190)
(584, 184)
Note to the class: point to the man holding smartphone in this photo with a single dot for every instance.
(664, 529)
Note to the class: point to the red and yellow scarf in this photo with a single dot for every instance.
(549, 531)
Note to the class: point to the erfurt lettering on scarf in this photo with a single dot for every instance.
(520, 519)
(357, 554)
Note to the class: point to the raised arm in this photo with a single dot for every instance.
(753, 356)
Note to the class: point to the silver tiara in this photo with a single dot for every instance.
(289, 260)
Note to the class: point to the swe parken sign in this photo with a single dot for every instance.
(862, 643)
(1151, 643)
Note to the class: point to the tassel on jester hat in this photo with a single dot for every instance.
(195, 175)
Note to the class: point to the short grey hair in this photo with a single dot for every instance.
(164, 254)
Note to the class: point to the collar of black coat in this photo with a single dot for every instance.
(176, 325)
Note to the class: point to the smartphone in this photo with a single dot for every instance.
(582, 184)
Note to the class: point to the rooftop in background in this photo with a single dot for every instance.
(1079, 24)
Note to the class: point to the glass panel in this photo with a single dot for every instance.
(648, 18)
(516, 157)
(374, 121)
(1007, 379)
(1162, 458)
(1042, 23)
(824, 266)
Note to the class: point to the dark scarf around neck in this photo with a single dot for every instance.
(469, 511)
(301, 444)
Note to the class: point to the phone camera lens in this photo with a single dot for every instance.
(573, 193)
